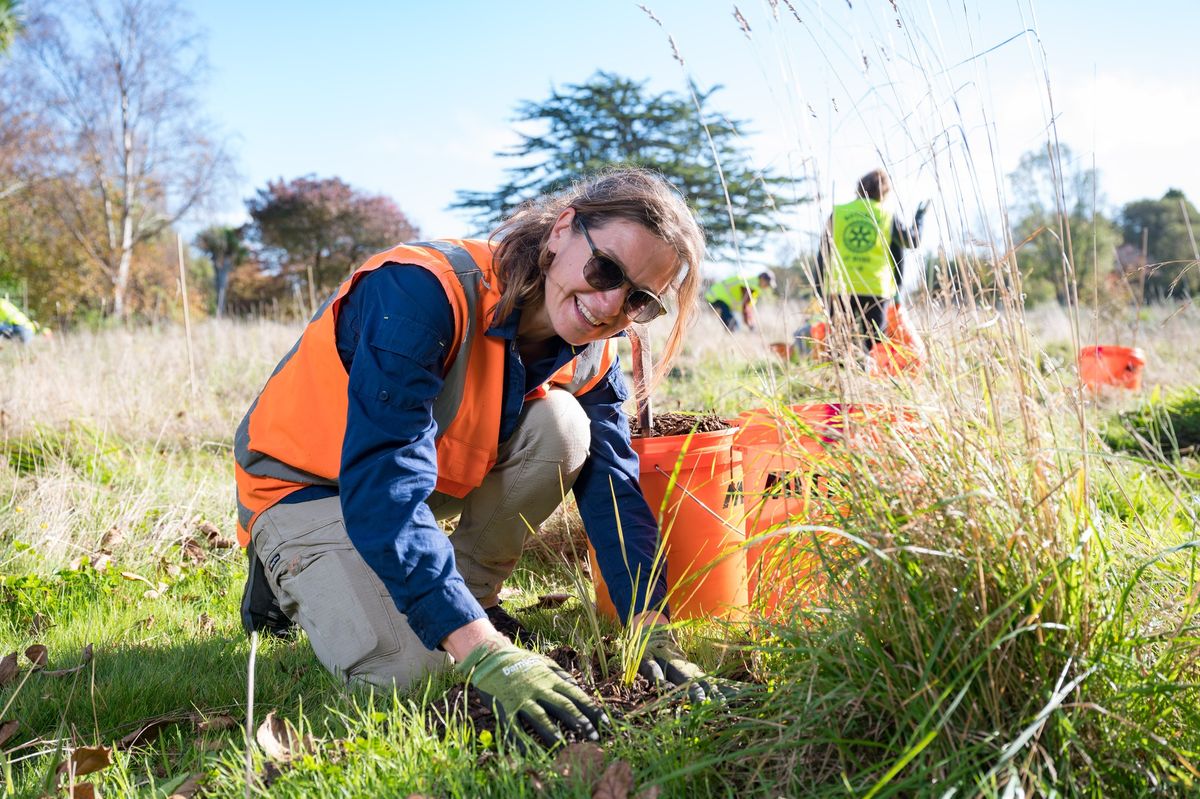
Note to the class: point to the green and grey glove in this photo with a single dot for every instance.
(524, 686)
(665, 665)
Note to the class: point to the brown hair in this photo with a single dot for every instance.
(874, 185)
(635, 195)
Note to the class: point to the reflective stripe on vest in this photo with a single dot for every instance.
(308, 389)
(861, 261)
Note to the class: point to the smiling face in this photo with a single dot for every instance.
(575, 311)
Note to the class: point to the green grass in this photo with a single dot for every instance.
(995, 617)
(1164, 425)
(1013, 602)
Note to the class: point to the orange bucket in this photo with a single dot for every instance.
(1111, 366)
(694, 484)
(785, 483)
(782, 485)
(812, 340)
(902, 351)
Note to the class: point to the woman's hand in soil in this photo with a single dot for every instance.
(665, 665)
(524, 686)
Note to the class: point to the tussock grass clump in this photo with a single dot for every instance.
(1164, 425)
(987, 625)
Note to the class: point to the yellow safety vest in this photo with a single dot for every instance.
(861, 258)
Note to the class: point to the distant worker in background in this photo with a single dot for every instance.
(738, 292)
(14, 324)
(861, 259)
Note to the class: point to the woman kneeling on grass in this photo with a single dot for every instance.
(476, 379)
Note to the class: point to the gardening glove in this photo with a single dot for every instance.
(665, 665)
(524, 686)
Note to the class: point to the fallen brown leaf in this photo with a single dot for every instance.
(84, 659)
(217, 722)
(7, 730)
(616, 782)
(189, 787)
(111, 539)
(281, 741)
(86, 759)
(39, 624)
(192, 551)
(150, 728)
(549, 601)
(580, 761)
(535, 781)
(83, 790)
(213, 534)
(38, 655)
(156, 591)
(135, 577)
(8, 669)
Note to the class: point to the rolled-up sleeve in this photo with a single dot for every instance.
(393, 333)
(619, 523)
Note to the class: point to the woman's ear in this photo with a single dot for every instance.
(560, 230)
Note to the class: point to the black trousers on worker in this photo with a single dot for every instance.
(863, 315)
(726, 313)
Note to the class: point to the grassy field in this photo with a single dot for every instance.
(1010, 611)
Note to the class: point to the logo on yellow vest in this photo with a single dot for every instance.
(859, 236)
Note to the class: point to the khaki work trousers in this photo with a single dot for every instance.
(325, 586)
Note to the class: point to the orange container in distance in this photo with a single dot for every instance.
(693, 484)
(902, 351)
(1111, 366)
(782, 349)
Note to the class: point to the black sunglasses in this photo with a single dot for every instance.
(604, 274)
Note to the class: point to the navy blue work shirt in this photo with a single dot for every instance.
(393, 332)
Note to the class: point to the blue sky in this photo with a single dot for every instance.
(413, 99)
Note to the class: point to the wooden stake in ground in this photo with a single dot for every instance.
(187, 318)
(643, 368)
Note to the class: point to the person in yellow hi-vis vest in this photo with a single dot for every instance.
(14, 324)
(860, 260)
(738, 292)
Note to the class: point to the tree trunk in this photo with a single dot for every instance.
(221, 282)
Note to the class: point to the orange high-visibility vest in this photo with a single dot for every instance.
(292, 435)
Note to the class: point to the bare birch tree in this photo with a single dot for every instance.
(118, 81)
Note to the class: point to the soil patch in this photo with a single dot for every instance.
(618, 699)
(677, 423)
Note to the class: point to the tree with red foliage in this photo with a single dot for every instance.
(317, 230)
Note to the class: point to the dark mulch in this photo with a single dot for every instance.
(676, 423)
(618, 699)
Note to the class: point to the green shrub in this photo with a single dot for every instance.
(1165, 425)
